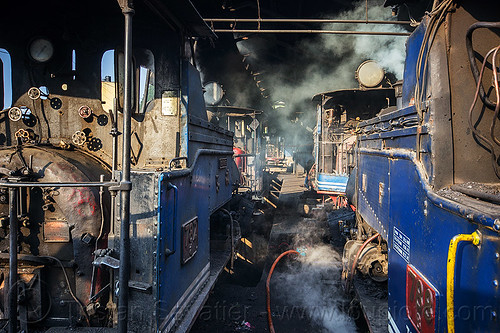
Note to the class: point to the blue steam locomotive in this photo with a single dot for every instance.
(426, 182)
(338, 116)
(92, 234)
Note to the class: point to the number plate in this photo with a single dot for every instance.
(420, 301)
(189, 239)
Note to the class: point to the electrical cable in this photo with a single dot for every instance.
(472, 57)
(497, 92)
(69, 288)
(96, 246)
(487, 142)
(353, 268)
(46, 120)
(436, 18)
(268, 291)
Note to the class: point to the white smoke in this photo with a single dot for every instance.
(314, 283)
(314, 286)
(346, 53)
(388, 51)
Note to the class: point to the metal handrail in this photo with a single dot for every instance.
(10, 184)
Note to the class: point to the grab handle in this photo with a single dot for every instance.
(169, 252)
(475, 238)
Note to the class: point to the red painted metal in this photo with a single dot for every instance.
(420, 301)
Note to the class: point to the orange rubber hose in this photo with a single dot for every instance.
(268, 292)
(353, 269)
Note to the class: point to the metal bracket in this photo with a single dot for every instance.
(107, 261)
(121, 186)
(140, 286)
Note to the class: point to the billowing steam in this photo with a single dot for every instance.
(327, 62)
(333, 59)
(314, 285)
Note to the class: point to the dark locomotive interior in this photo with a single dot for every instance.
(63, 226)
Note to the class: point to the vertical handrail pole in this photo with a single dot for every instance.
(13, 227)
(124, 273)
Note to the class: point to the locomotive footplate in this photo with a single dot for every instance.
(81, 330)
(218, 260)
(373, 302)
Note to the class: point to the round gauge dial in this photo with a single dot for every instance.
(41, 50)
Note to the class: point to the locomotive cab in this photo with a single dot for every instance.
(338, 115)
(110, 170)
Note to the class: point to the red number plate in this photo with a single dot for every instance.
(420, 301)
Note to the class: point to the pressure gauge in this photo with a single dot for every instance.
(41, 50)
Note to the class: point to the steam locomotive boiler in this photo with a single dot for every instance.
(92, 234)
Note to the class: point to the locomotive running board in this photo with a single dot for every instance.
(81, 330)
(218, 260)
(374, 308)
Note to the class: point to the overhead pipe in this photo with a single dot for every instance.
(273, 20)
(304, 31)
(125, 184)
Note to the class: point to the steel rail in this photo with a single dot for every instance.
(304, 31)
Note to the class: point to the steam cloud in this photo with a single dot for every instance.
(333, 59)
(329, 61)
(314, 284)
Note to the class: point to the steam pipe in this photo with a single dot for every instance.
(13, 227)
(124, 273)
(210, 20)
(304, 31)
(114, 132)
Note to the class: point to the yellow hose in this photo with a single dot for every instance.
(475, 238)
